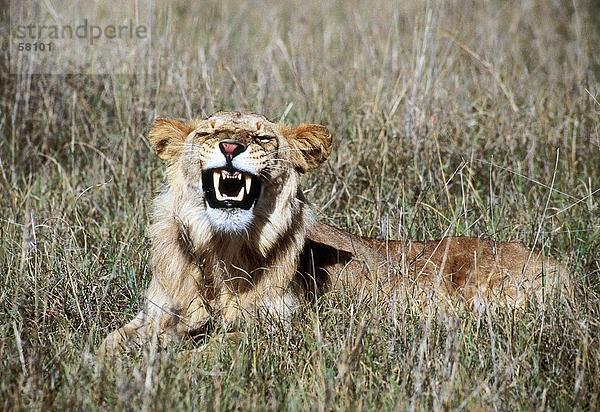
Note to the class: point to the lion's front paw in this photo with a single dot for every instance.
(117, 342)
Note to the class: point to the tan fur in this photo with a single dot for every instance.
(309, 138)
(165, 132)
(478, 271)
(284, 258)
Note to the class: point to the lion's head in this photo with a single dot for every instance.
(237, 171)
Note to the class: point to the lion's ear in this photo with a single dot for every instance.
(310, 145)
(167, 137)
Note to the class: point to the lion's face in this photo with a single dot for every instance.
(238, 164)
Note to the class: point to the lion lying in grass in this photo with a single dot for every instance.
(232, 235)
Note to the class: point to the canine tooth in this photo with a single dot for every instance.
(248, 183)
(240, 195)
(216, 177)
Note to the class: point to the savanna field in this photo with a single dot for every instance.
(450, 118)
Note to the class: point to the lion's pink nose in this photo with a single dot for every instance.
(231, 148)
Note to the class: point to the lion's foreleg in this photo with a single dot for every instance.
(275, 305)
(151, 322)
(126, 335)
(168, 315)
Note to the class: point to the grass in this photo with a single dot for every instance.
(478, 118)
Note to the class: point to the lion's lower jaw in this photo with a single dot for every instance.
(230, 221)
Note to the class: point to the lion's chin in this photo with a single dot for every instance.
(234, 221)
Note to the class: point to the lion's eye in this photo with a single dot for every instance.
(264, 139)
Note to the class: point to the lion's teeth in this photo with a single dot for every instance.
(222, 174)
(248, 183)
(227, 175)
(240, 195)
(216, 177)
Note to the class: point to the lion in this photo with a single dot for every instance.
(233, 235)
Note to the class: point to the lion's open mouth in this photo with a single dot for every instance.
(230, 188)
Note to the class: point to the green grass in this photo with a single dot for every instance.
(479, 118)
